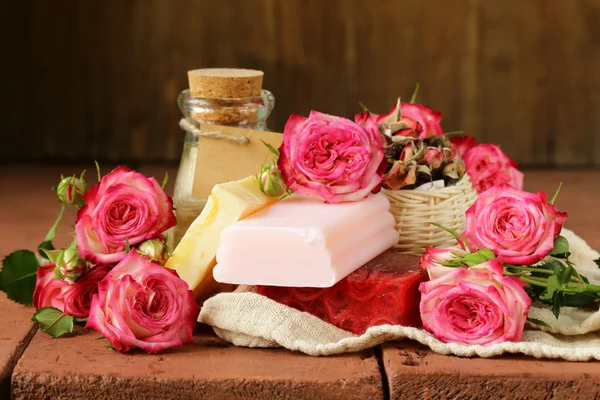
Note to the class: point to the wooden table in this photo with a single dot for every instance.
(82, 367)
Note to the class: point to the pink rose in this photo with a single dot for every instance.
(487, 166)
(519, 227)
(331, 158)
(431, 259)
(48, 291)
(423, 115)
(462, 144)
(125, 205)
(70, 298)
(475, 306)
(78, 298)
(142, 304)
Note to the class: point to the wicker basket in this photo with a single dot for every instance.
(415, 210)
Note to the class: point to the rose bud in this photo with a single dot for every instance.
(70, 190)
(434, 157)
(154, 250)
(432, 259)
(271, 182)
(69, 264)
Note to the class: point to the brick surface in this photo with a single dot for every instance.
(16, 331)
(81, 367)
(416, 373)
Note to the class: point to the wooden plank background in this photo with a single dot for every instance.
(99, 79)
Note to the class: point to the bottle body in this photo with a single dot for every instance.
(248, 113)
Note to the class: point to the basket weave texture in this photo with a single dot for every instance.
(414, 210)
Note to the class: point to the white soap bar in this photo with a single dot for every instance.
(303, 242)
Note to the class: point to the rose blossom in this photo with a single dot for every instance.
(70, 298)
(475, 306)
(331, 158)
(428, 119)
(461, 144)
(487, 166)
(519, 227)
(124, 206)
(142, 304)
(431, 259)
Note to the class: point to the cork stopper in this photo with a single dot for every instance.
(225, 83)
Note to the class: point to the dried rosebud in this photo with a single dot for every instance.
(271, 182)
(69, 264)
(154, 250)
(70, 190)
(434, 157)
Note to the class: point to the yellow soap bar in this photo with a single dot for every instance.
(194, 256)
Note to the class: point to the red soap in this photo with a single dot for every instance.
(383, 291)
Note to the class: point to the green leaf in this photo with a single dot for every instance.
(127, 247)
(579, 299)
(271, 148)
(17, 277)
(556, 305)
(363, 106)
(53, 321)
(98, 170)
(556, 193)
(51, 255)
(44, 248)
(413, 98)
(597, 261)
(538, 322)
(165, 180)
(52, 232)
(561, 246)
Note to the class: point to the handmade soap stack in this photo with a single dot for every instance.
(326, 259)
(383, 291)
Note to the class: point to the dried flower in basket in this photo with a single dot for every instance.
(416, 150)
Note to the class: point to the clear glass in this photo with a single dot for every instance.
(249, 113)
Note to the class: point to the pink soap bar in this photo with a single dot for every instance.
(304, 242)
(384, 291)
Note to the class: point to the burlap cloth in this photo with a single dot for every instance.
(245, 318)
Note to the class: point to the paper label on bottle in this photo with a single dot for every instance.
(221, 160)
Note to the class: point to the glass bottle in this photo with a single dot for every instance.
(249, 113)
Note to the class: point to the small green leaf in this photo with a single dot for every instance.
(127, 247)
(100, 338)
(413, 98)
(556, 305)
(363, 106)
(53, 321)
(579, 299)
(271, 148)
(80, 319)
(474, 259)
(561, 246)
(556, 193)
(44, 248)
(98, 170)
(538, 322)
(18, 274)
(52, 232)
(165, 180)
